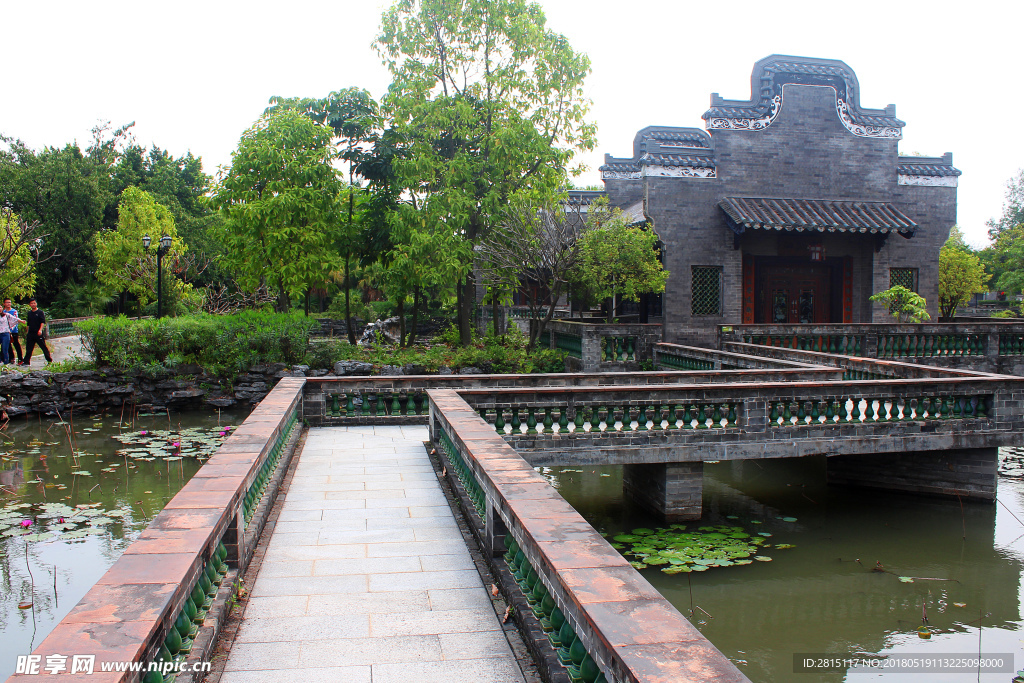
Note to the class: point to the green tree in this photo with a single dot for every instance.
(354, 117)
(20, 246)
(492, 106)
(617, 259)
(68, 192)
(905, 305)
(280, 201)
(961, 274)
(123, 264)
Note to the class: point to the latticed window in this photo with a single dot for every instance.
(706, 290)
(904, 277)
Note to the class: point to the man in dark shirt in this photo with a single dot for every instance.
(36, 333)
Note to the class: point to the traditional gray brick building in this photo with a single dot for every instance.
(793, 206)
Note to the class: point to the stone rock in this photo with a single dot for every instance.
(288, 373)
(120, 389)
(268, 369)
(317, 373)
(352, 367)
(14, 411)
(388, 329)
(222, 401)
(187, 393)
(82, 385)
(414, 369)
(444, 370)
(471, 371)
(391, 370)
(300, 368)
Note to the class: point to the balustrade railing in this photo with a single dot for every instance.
(515, 514)
(844, 344)
(572, 344)
(160, 627)
(618, 349)
(883, 340)
(62, 327)
(1011, 344)
(858, 409)
(930, 345)
(624, 417)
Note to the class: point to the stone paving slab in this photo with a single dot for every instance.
(367, 576)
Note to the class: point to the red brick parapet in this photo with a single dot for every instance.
(126, 615)
(627, 627)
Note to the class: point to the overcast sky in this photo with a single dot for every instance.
(194, 75)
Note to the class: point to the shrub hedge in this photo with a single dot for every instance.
(222, 344)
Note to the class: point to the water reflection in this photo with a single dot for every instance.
(36, 468)
(839, 590)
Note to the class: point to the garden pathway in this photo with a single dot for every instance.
(367, 578)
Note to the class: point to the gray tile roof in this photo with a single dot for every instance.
(621, 167)
(682, 138)
(677, 160)
(815, 215)
(927, 169)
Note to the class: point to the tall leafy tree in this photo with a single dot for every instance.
(618, 260)
(21, 249)
(961, 274)
(354, 116)
(280, 201)
(492, 105)
(123, 264)
(68, 191)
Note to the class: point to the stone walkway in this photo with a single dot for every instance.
(367, 578)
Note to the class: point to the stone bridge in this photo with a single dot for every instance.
(366, 565)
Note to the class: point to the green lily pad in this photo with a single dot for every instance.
(784, 546)
(788, 519)
(45, 536)
(638, 565)
(762, 558)
(907, 579)
(643, 532)
(83, 472)
(626, 538)
(654, 561)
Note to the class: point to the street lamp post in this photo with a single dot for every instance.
(165, 246)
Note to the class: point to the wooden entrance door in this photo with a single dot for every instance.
(794, 294)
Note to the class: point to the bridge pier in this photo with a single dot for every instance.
(671, 490)
(968, 473)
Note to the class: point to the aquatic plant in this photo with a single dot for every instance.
(678, 549)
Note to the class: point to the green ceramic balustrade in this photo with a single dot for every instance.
(376, 404)
(464, 473)
(842, 344)
(680, 361)
(1011, 344)
(618, 349)
(612, 417)
(178, 642)
(570, 649)
(859, 409)
(266, 472)
(572, 344)
(930, 345)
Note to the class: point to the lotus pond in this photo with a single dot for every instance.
(782, 564)
(74, 495)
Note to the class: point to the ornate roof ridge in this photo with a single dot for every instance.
(766, 87)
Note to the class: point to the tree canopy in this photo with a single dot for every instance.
(123, 263)
(491, 104)
(961, 274)
(280, 202)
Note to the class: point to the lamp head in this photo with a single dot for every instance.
(145, 241)
(165, 242)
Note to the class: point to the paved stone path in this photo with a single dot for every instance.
(367, 578)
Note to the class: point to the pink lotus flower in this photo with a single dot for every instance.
(26, 523)
(176, 444)
(60, 520)
(143, 432)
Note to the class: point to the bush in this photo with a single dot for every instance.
(222, 344)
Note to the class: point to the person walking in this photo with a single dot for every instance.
(5, 337)
(10, 310)
(36, 332)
